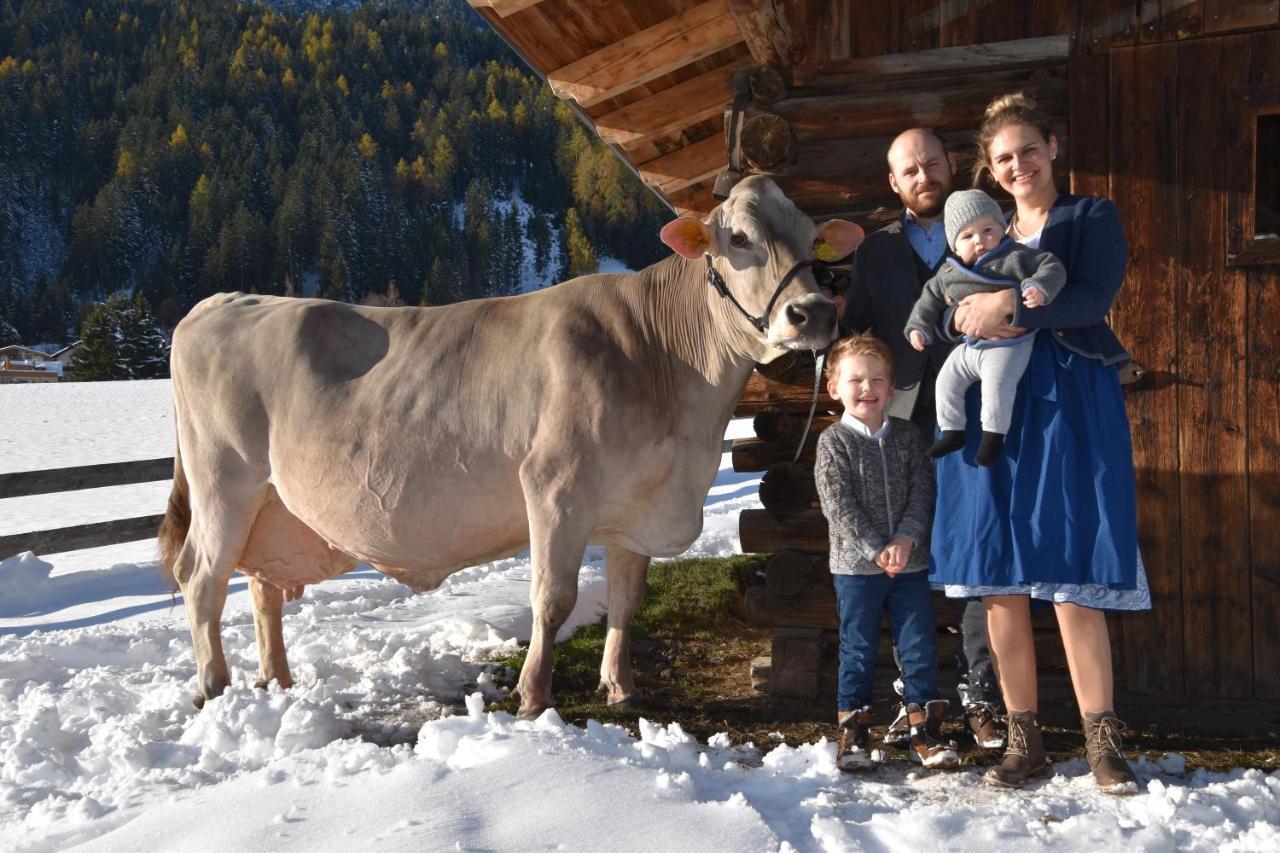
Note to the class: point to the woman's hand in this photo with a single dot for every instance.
(987, 315)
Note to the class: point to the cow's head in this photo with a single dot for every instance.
(755, 239)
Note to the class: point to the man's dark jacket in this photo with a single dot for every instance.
(887, 278)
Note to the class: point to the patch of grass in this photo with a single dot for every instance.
(693, 600)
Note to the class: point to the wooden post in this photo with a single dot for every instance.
(767, 32)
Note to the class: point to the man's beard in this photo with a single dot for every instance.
(931, 211)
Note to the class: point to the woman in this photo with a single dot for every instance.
(1056, 518)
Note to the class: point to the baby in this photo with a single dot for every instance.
(986, 260)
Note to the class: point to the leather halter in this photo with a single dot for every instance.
(761, 323)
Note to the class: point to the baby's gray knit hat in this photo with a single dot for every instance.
(965, 206)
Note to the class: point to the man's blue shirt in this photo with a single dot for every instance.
(930, 244)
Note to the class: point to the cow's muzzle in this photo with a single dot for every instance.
(806, 322)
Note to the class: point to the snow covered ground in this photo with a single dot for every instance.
(100, 747)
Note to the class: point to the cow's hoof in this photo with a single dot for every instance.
(625, 703)
(531, 713)
(261, 684)
(198, 701)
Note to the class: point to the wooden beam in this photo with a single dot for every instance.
(504, 7)
(761, 533)
(754, 454)
(702, 98)
(768, 32)
(47, 481)
(685, 166)
(959, 108)
(82, 536)
(640, 57)
(974, 58)
(696, 200)
(762, 393)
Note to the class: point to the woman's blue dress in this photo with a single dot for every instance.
(1056, 517)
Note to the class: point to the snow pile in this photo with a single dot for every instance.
(488, 781)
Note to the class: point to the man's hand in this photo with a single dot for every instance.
(917, 340)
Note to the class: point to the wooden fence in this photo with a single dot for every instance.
(25, 483)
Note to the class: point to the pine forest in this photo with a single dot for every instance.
(395, 153)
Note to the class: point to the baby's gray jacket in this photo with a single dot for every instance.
(873, 490)
(1010, 264)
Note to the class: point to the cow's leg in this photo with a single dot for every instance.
(560, 521)
(626, 572)
(268, 625)
(220, 526)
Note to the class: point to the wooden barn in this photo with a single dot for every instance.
(1170, 107)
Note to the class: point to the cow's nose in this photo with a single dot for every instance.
(816, 315)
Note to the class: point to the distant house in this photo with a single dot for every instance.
(26, 364)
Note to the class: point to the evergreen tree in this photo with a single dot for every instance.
(119, 340)
(98, 356)
(143, 347)
(540, 234)
(8, 334)
(580, 257)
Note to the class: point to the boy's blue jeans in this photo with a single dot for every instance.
(859, 601)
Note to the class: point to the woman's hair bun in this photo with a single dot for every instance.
(1011, 101)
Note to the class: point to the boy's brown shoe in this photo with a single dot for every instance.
(854, 752)
(984, 725)
(1103, 746)
(899, 732)
(927, 745)
(1024, 754)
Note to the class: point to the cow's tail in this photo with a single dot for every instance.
(177, 520)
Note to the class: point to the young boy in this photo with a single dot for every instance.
(876, 488)
(986, 260)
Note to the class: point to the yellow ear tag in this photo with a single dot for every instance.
(822, 251)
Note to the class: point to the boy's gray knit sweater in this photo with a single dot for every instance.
(1009, 264)
(873, 490)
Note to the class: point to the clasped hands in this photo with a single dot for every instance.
(893, 558)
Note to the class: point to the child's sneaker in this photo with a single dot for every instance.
(927, 745)
(855, 741)
(899, 732)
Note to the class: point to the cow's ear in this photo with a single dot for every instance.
(687, 236)
(836, 239)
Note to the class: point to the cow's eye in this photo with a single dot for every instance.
(739, 240)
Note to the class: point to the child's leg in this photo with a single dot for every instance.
(958, 372)
(1000, 369)
(859, 600)
(915, 635)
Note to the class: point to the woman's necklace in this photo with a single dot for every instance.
(1014, 231)
(1020, 235)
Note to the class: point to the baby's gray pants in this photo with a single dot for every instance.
(997, 368)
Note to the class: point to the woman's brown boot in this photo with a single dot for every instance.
(1023, 754)
(1103, 746)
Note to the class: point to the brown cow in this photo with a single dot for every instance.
(313, 434)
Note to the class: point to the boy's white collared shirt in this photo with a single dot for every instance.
(862, 429)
